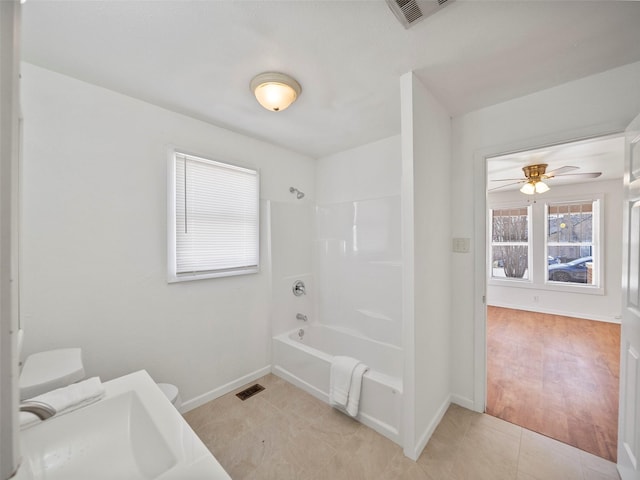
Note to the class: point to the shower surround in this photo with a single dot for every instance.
(346, 247)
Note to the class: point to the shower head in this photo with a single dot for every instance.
(298, 193)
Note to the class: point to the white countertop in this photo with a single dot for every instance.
(164, 448)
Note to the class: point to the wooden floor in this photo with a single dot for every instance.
(555, 375)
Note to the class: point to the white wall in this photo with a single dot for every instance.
(94, 239)
(366, 172)
(594, 105)
(292, 232)
(426, 153)
(358, 257)
(605, 306)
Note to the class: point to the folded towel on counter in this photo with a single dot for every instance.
(66, 399)
(345, 383)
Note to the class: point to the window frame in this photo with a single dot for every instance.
(172, 275)
(597, 245)
(538, 272)
(510, 280)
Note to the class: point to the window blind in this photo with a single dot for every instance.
(216, 215)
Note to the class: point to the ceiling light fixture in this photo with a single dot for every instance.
(535, 174)
(275, 91)
(534, 186)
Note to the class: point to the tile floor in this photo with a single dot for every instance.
(284, 433)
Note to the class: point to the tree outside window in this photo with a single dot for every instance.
(510, 242)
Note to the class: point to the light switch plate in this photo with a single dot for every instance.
(461, 245)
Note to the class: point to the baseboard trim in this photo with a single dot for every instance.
(463, 402)
(224, 389)
(301, 384)
(551, 311)
(426, 435)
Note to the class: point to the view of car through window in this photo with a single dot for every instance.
(575, 271)
(571, 241)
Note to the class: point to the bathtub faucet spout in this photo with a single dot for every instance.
(302, 317)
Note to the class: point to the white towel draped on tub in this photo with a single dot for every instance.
(66, 399)
(346, 383)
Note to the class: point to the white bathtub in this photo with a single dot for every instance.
(306, 363)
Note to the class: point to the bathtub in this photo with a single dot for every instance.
(305, 362)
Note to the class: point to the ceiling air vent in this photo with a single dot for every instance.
(410, 12)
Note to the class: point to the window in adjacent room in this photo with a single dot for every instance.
(510, 243)
(572, 241)
(213, 219)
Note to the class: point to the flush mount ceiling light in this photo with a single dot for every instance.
(275, 91)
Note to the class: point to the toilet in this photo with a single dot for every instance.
(171, 392)
(51, 369)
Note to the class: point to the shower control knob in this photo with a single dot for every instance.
(299, 288)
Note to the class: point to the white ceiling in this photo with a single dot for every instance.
(197, 57)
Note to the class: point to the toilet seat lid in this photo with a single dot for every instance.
(170, 391)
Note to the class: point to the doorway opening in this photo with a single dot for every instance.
(553, 291)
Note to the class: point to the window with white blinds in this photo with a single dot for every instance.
(214, 218)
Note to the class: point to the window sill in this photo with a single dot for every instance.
(573, 288)
(173, 278)
(548, 286)
(510, 282)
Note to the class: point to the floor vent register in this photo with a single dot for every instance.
(249, 392)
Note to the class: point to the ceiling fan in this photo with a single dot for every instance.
(536, 173)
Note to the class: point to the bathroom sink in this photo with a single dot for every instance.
(133, 433)
(114, 438)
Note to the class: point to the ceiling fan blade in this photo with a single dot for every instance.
(584, 175)
(508, 180)
(506, 185)
(560, 170)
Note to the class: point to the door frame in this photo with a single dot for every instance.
(628, 423)
(480, 158)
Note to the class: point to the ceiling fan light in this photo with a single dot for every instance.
(275, 91)
(541, 187)
(528, 188)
